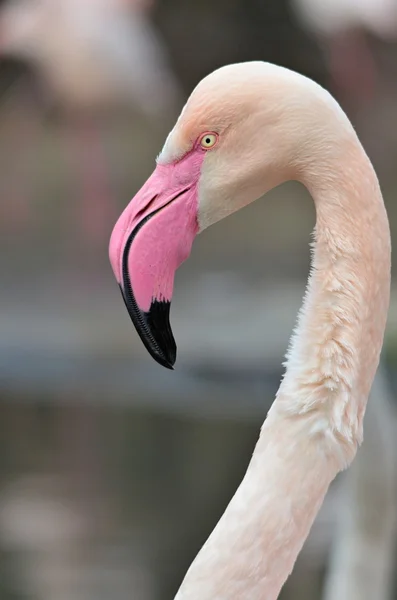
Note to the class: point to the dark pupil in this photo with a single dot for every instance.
(208, 140)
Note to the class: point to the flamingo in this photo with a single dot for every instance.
(246, 128)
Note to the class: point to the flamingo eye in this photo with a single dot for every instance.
(208, 140)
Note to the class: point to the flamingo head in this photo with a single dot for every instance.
(236, 138)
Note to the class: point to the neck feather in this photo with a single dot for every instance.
(315, 423)
(334, 351)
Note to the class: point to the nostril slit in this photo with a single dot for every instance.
(144, 209)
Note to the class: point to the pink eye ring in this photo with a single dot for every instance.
(208, 140)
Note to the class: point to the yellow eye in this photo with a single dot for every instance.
(208, 140)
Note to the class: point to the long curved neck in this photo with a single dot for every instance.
(315, 424)
(334, 351)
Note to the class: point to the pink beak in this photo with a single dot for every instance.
(151, 239)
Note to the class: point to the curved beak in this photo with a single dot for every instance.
(151, 239)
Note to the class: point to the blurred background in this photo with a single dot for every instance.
(113, 471)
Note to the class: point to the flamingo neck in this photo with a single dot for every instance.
(334, 351)
(315, 423)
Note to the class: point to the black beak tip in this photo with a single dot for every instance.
(163, 361)
(153, 328)
(162, 345)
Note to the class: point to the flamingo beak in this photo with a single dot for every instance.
(151, 239)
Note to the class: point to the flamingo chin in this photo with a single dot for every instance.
(151, 239)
